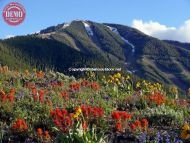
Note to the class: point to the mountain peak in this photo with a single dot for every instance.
(91, 44)
(61, 26)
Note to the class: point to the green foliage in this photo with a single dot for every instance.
(164, 114)
(78, 135)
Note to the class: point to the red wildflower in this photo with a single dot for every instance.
(84, 125)
(44, 134)
(64, 94)
(85, 110)
(11, 95)
(57, 122)
(125, 115)
(34, 91)
(95, 86)
(116, 115)
(11, 98)
(95, 112)
(133, 126)
(41, 98)
(62, 119)
(144, 123)
(118, 126)
(35, 98)
(41, 93)
(3, 97)
(137, 123)
(74, 86)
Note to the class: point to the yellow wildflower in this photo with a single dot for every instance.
(138, 84)
(128, 77)
(116, 79)
(77, 112)
(185, 132)
(118, 75)
(186, 127)
(75, 116)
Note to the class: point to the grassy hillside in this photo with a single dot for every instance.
(51, 54)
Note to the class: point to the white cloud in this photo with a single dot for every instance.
(9, 36)
(155, 29)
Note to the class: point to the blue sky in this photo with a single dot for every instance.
(44, 13)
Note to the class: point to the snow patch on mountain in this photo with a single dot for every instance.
(130, 44)
(66, 25)
(46, 35)
(113, 29)
(88, 28)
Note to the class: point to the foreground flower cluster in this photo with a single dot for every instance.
(48, 107)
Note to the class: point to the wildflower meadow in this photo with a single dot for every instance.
(50, 107)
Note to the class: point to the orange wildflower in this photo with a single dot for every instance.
(40, 74)
(19, 125)
(157, 98)
(39, 131)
